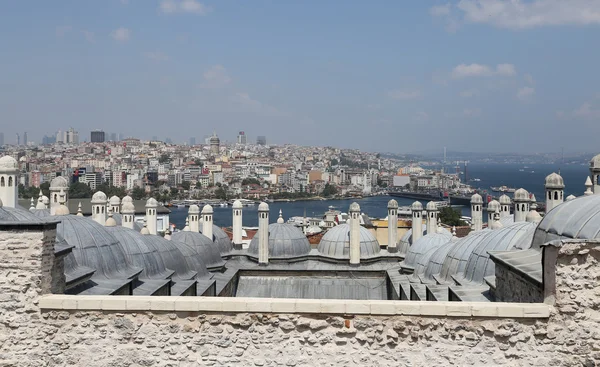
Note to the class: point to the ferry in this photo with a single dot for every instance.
(503, 189)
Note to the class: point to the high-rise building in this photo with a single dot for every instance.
(261, 140)
(241, 138)
(18, 139)
(113, 137)
(25, 138)
(192, 141)
(47, 140)
(97, 136)
(215, 143)
(1, 139)
(71, 137)
(60, 137)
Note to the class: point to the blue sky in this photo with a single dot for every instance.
(398, 76)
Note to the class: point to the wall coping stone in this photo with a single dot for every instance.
(294, 306)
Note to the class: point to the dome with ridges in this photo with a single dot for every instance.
(285, 241)
(336, 242)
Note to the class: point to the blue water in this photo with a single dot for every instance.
(490, 175)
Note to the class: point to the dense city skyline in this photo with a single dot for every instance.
(408, 76)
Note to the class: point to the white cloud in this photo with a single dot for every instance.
(62, 30)
(121, 34)
(89, 36)
(440, 10)
(251, 104)
(525, 93)
(529, 79)
(156, 56)
(404, 94)
(472, 112)
(523, 14)
(183, 6)
(216, 77)
(587, 111)
(469, 93)
(478, 70)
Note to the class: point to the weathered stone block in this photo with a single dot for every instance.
(382, 307)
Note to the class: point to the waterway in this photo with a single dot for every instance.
(512, 175)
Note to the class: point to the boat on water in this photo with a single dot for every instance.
(503, 189)
(475, 180)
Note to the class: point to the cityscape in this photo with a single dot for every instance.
(271, 183)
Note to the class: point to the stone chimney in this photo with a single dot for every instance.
(237, 225)
(207, 221)
(354, 234)
(392, 226)
(263, 234)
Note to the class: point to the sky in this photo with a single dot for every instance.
(386, 76)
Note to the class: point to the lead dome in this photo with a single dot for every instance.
(336, 242)
(285, 241)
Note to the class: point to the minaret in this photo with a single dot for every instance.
(207, 221)
(98, 207)
(9, 169)
(128, 214)
(555, 187)
(392, 245)
(417, 220)
(354, 234)
(522, 202)
(115, 204)
(432, 216)
(476, 213)
(151, 205)
(194, 218)
(263, 234)
(40, 201)
(237, 224)
(504, 206)
(492, 207)
(595, 174)
(588, 187)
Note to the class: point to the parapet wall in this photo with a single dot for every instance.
(56, 330)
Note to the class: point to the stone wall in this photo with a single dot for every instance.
(106, 331)
(512, 286)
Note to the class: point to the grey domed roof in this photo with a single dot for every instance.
(141, 253)
(406, 239)
(423, 245)
(436, 261)
(209, 251)
(175, 259)
(118, 217)
(8, 214)
(459, 253)
(437, 254)
(95, 248)
(577, 218)
(8, 164)
(554, 181)
(336, 242)
(504, 239)
(507, 220)
(476, 199)
(193, 258)
(222, 239)
(285, 240)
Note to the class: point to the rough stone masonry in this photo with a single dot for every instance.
(30, 336)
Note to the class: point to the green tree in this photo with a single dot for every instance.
(221, 194)
(185, 185)
(451, 216)
(79, 190)
(334, 162)
(250, 181)
(329, 190)
(138, 193)
(111, 190)
(164, 158)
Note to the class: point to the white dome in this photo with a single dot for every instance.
(431, 206)
(127, 199)
(416, 206)
(152, 203)
(59, 182)
(263, 207)
(554, 181)
(237, 204)
(521, 195)
(99, 198)
(493, 206)
(476, 199)
(504, 200)
(127, 208)
(533, 217)
(207, 209)
(392, 204)
(354, 207)
(8, 165)
(194, 209)
(571, 197)
(595, 162)
(114, 200)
